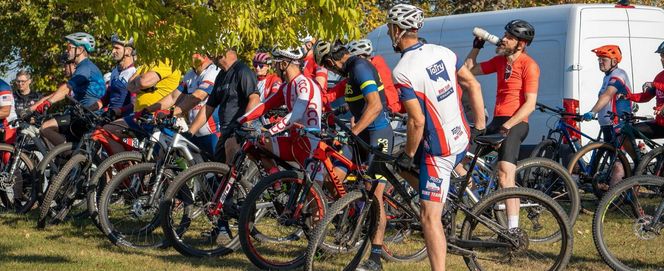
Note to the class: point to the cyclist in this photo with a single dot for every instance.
(517, 76)
(268, 83)
(365, 98)
(7, 114)
(302, 97)
(86, 85)
(611, 98)
(151, 83)
(24, 97)
(651, 129)
(191, 96)
(311, 68)
(118, 99)
(363, 48)
(438, 135)
(234, 93)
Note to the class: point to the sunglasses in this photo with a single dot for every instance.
(259, 65)
(508, 72)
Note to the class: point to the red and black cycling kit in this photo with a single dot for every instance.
(651, 129)
(514, 81)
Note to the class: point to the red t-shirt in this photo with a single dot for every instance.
(312, 70)
(511, 92)
(656, 91)
(390, 91)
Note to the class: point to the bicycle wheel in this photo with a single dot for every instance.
(127, 215)
(626, 231)
(49, 167)
(64, 192)
(105, 172)
(594, 164)
(403, 240)
(18, 193)
(652, 163)
(348, 224)
(546, 149)
(274, 230)
(553, 180)
(493, 247)
(191, 218)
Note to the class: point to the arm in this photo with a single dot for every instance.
(524, 111)
(143, 81)
(414, 126)
(259, 110)
(468, 81)
(164, 103)
(54, 97)
(201, 119)
(604, 99)
(371, 110)
(321, 78)
(334, 93)
(297, 114)
(641, 97)
(189, 101)
(254, 100)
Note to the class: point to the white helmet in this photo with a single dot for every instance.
(296, 53)
(82, 39)
(407, 17)
(360, 47)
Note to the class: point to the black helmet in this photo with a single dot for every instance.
(660, 49)
(521, 29)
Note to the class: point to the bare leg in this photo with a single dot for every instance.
(506, 179)
(50, 131)
(434, 236)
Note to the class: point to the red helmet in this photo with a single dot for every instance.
(261, 58)
(610, 51)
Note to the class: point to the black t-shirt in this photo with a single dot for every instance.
(23, 102)
(231, 92)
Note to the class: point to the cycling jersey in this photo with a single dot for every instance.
(511, 92)
(427, 73)
(390, 92)
(656, 91)
(301, 96)
(268, 85)
(617, 78)
(313, 70)
(364, 79)
(205, 82)
(117, 96)
(87, 83)
(7, 99)
(23, 102)
(169, 81)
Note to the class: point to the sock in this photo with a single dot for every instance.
(513, 221)
(376, 251)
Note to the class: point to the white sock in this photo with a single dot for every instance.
(513, 221)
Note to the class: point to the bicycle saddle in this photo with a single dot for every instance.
(490, 140)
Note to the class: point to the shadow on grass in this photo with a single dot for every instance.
(227, 261)
(6, 257)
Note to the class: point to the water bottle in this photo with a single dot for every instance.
(483, 34)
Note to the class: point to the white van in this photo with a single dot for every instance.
(564, 36)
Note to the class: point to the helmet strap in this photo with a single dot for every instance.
(397, 40)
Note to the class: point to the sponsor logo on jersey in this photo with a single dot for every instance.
(438, 70)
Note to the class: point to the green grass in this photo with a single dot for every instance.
(79, 245)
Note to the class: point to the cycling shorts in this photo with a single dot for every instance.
(509, 149)
(293, 148)
(383, 138)
(650, 129)
(207, 143)
(72, 127)
(435, 174)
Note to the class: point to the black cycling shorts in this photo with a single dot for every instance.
(509, 149)
(72, 127)
(607, 133)
(378, 138)
(650, 129)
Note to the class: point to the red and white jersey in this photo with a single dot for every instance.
(205, 82)
(427, 72)
(7, 99)
(301, 96)
(268, 85)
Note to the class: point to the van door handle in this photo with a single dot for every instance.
(575, 67)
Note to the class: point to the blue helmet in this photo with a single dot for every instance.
(660, 49)
(82, 39)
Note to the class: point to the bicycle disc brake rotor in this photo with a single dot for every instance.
(6, 183)
(643, 228)
(140, 209)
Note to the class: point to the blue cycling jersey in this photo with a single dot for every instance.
(362, 80)
(87, 83)
(117, 93)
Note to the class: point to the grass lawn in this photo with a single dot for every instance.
(80, 246)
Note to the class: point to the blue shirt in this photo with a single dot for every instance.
(117, 94)
(362, 80)
(87, 83)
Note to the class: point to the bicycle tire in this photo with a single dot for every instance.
(120, 238)
(546, 149)
(388, 252)
(174, 234)
(95, 188)
(56, 155)
(603, 207)
(569, 183)
(248, 219)
(320, 232)
(499, 196)
(652, 155)
(572, 166)
(18, 207)
(55, 187)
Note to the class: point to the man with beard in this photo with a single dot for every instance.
(517, 76)
(118, 99)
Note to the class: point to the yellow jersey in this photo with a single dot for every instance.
(170, 79)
